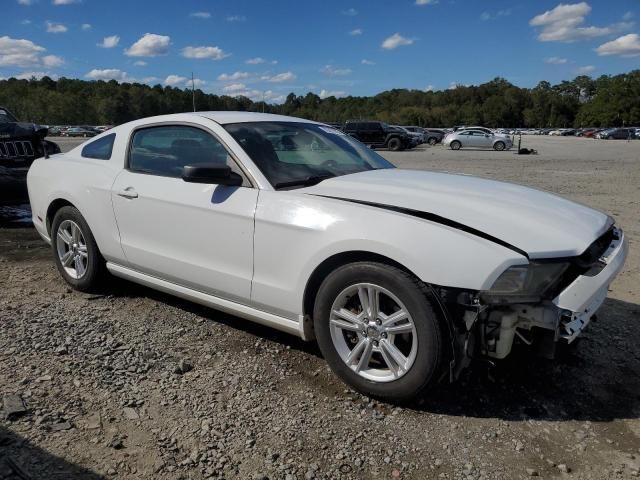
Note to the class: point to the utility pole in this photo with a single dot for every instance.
(193, 92)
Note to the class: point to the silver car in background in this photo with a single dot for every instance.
(475, 138)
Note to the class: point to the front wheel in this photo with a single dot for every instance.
(395, 145)
(455, 145)
(378, 331)
(499, 146)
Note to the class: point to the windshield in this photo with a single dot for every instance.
(293, 154)
(6, 117)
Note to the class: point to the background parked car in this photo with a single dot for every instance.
(378, 135)
(434, 135)
(79, 132)
(475, 138)
(617, 134)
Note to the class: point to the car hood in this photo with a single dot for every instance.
(541, 224)
(18, 130)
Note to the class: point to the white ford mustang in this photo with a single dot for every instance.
(400, 275)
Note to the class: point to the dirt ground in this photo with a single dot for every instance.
(135, 384)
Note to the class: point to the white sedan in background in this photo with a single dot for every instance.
(400, 275)
(476, 138)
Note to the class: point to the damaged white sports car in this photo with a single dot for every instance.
(400, 275)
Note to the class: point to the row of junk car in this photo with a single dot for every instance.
(378, 134)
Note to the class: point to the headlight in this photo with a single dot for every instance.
(524, 283)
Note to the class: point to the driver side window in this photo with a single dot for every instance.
(166, 150)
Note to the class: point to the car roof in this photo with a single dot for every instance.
(240, 117)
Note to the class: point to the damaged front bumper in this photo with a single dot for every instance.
(561, 319)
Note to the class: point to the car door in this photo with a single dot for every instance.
(480, 139)
(196, 235)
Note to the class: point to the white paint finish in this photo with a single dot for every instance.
(196, 235)
(243, 311)
(580, 294)
(541, 224)
(178, 240)
(296, 232)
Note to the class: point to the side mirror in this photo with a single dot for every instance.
(211, 173)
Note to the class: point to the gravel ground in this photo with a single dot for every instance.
(136, 384)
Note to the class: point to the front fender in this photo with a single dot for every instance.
(295, 233)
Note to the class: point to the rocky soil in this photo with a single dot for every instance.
(135, 384)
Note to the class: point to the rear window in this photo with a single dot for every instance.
(101, 148)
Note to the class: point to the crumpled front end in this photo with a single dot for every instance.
(563, 318)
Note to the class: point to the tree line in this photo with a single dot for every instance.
(610, 100)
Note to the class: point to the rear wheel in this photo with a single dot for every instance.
(455, 145)
(378, 331)
(75, 250)
(432, 141)
(395, 144)
(499, 146)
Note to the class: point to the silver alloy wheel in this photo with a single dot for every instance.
(72, 249)
(373, 332)
(499, 146)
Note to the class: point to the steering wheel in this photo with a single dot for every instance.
(330, 163)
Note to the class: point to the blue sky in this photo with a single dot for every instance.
(331, 47)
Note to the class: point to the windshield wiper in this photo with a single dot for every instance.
(304, 182)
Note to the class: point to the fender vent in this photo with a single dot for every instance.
(17, 149)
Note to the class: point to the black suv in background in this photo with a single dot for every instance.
(20, 144)
(378, 135)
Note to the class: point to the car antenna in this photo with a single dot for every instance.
(193, 92)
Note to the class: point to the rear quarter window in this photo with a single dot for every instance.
(100, 149)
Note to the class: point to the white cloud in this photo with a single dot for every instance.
(56, 27)
(86, 27)
(149, 45)
(149, 80)
(25, 53)
(236, 18)
(212, 53)
(174, 80)
(234, 88)
(555, 60)
(255, 61)
(364, 61)
(426, 2)
(396, 40)
(585, 70)
(37, 75)
(628, 16)
(226, 77)
(197, 82)
(280, 77)
(107, 74)
(355, 32)
(564, 23)
(65, 2)
(429, 88)
(625, 46)
(19, 53)
(140, 63)
(350, 12)
(253, 94)
(25, 2)
(331, 93)
(335, 72)
(52, 61)
(491, 16)
(200, 14)
(109, 42)
(25, 22)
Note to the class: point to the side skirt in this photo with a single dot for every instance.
(279, 323)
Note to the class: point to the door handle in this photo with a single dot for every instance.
(128, 192)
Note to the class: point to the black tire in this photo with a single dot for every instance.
(499, 146)
(415, 296)
(394, 144)
(432, 141)
(455, 145)
(95, 269)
